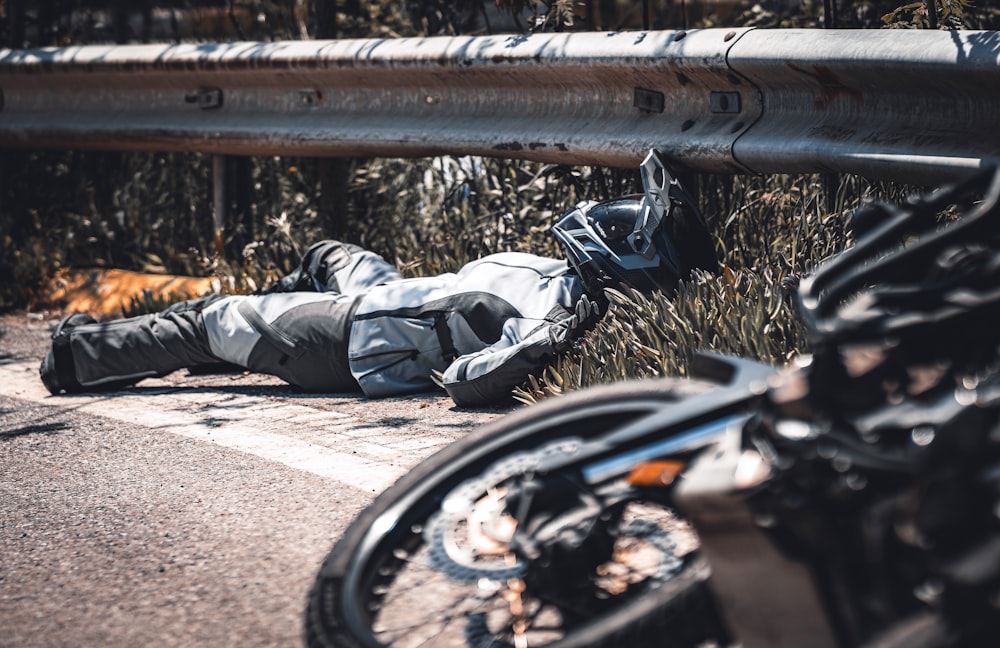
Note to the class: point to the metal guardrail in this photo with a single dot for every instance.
(896, 104)
(899, 104)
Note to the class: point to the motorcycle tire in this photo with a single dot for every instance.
(362, 572)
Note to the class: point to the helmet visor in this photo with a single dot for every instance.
(615, 219)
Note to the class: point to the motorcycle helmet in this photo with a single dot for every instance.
(646, 241)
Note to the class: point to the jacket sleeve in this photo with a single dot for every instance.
(489, 376)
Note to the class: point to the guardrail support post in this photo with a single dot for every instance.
(231, 188)
(829, 14)
(220, 202)
(15, 24)
(932, 18)
(333, 180)
(830, 180)
(333, 172)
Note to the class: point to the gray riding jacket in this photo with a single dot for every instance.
(487, 327)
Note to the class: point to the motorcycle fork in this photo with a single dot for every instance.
(768, 599)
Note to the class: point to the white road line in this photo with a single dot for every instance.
(238, 422)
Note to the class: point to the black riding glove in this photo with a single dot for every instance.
(586, 315)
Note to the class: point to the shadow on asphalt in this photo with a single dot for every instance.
(38, 428)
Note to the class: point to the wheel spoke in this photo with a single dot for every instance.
(418, 589)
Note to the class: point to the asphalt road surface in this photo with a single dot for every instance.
(187, 511)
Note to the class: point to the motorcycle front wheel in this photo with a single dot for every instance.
(406, 574)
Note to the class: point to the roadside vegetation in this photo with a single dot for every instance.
(153, 212)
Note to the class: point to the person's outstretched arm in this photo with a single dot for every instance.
(489, 376)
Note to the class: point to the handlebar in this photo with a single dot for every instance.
(906, 275)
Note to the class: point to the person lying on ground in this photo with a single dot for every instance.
(346, 320)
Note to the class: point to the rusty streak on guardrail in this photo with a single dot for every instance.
(883, 103)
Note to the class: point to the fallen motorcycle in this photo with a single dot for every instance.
(852, 499)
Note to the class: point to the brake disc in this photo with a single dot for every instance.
(468, 538)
